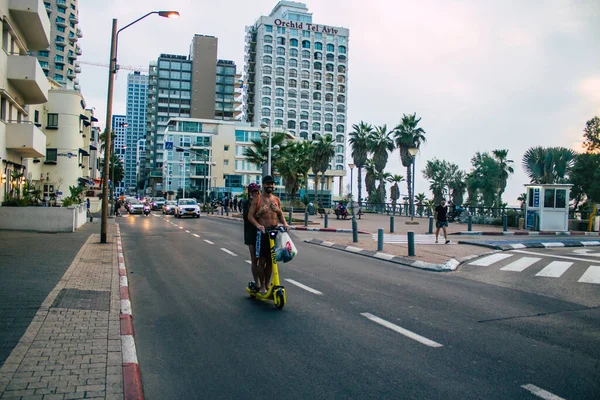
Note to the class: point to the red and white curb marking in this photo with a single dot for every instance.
(132, 382)
(298, 228)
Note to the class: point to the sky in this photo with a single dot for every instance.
(482, 74)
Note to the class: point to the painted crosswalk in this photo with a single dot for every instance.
(419, 239)
(541, 267)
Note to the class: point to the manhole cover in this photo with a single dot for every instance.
(83, 300)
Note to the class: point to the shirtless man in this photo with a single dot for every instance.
(265, 212)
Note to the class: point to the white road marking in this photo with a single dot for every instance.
(555, 269)
(181, 227)
(541, 393)
(123, 281)
(125, 307)
(353, 249)
(553, 244)
(208, 241)
(308, 289)
(520, 264)
(590, 243)
(489, 260)
(402, 331)
(229, 252)
(128, 349)
(518, 246)
(196, 235)
(592, 275)
(553, 256)
(384, 256)
(249, 262)
(186, 231)
(585, 252)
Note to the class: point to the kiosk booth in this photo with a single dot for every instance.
(547, 207)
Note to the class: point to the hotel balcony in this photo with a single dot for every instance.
(61, 23)
(77, 69)
(32, 21)
(26, 75)
(72, 38)
(79, 33)
(153, 72)
(25, 139)
(74, 19)
(78, 50)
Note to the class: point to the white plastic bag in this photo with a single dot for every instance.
(285, 248)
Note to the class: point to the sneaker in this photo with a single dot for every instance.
(436, 241)
(447, 241)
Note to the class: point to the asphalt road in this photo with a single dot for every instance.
(377, 330)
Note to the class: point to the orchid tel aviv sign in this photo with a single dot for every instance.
(306, 26)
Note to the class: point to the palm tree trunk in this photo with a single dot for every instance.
(359, 186)
(408, 183)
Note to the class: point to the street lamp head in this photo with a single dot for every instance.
(351, 166)
(413, 151)
(276, 147)
(214, 164)
(169, 14)
(263, 135)
(263, 125)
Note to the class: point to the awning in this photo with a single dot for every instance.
(85, 153)
(94, 119)
(82, 116)
(86, 123)
(92, 147)
(85, 181)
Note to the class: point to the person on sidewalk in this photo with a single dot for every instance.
(441, 220)
(250, 232)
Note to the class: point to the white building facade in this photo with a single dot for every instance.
(296, 76)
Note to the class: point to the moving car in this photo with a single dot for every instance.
(157, 203)
(136, 207)
(169, 207)
(187, 207)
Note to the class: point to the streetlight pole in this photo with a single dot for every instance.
(109, 99)
(413, 152)
(351, 190)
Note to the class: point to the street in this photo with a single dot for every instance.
(353, 327)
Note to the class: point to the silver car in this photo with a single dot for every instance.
(136, 207)
(187, 207)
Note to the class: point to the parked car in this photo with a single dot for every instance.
(169, 207)
(136, 207)
(187, 207)
(157, 203)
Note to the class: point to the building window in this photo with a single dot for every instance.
(342, 49)
(328, 128)
(226, 147)
(268, 49)
(318, 55)
(330, 47)
(43, 53)
(318, 65)
(51, 155)
(281, 30)
(268, 28)
(225, 162)
(60, 39)
(294, 42)
(280, 61)
(281, 40)
(281, 51)
(306, 44)
(268, 60)
(36, 117)
(268, 39)
(279, 92)
(291, 125)
(293, 52)
(52, 121)
(316, 96)
(339, 129)
(305, 34)
(267, 70)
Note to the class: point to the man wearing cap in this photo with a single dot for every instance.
(265, 212)
(250, 232)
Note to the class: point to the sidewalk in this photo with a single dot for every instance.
(72, 348)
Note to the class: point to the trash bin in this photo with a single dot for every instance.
(311, 209)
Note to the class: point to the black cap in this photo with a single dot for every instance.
(268, 179)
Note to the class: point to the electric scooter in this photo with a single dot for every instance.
(275, 292)
(146, 210)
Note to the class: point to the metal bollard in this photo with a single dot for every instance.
(430, 225)
(470, 221)
(354, 230)
(326, 220)
(306, 218)
(227, 211)
(411, 244)
(392, 224)
(379, 239)
(290, 217)
(505, 222)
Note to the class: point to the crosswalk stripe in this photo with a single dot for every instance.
(520, 264)
(489, 260)
(592, 275)
(555, 269)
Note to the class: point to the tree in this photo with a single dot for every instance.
(457, 184)
(505, 170)
(522, 198)
(380, 145)
(408, 135)
(437, 172)
(258, 153)
(324, 151)
(585, 177)
(420, 199)
(548, 164)
(292, 168)
(395, 190)
(360, 149)
(484, 178)
(117, 164)
(592, 135)
(382, 177)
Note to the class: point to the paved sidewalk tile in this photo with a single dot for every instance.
(67, 351)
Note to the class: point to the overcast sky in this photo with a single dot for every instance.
(483, 75)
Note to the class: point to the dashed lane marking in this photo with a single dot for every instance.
(187, 231)
(229, 252)
(302, 286)
(541, 393)
(208, 241)
(402, 331)
(196, 235)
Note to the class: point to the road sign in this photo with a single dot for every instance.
(168, 145)
(59, 193)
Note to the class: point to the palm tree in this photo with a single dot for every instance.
(505, 170)
(438, 174)
(429, 206)
(360, 149)
(395, 190)
(382, 177)
(292, 169)
(324, 151)
(258, 153)
(522, 198)
(407, 136)
(548, 164)
(419, 199)
(370, 177)
(117, 164)
(380, 144)
(457, 185)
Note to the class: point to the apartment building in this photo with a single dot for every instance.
(135, 134)
(119, 131)
(59, 60)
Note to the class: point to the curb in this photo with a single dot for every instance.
(532, 245)
(525, 233)
(449, 265)
(132, 381)
(297, 228)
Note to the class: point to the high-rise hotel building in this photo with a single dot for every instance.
(135, 134)
(296, 76)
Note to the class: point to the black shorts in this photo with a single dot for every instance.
(264, 247)
(250, 235)
(441, 224)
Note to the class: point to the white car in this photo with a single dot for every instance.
(136, 207)
(187, 207)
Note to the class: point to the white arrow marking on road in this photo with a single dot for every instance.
(229, 252)
(585, 252)
(520, 264)
(208, 241)
(555, 269)
(402, 331)
(541, 393)
(592, 275)
(308, 289)
(489, 260)
(196, 235)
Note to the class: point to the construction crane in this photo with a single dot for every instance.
(128, 67)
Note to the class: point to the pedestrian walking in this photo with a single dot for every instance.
(117, 207)
(87, 203)
(441, 218)
(235, 203)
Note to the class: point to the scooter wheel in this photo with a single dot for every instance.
(279, 299)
